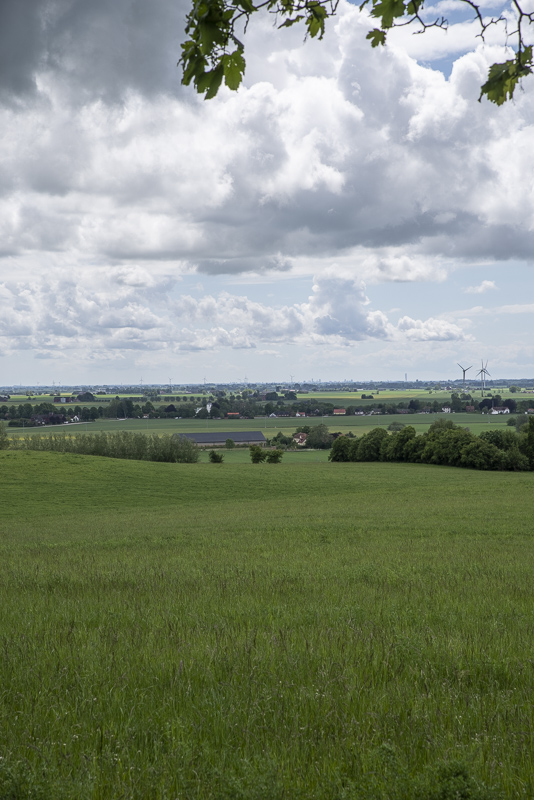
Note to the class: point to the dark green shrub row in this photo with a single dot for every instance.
(444, 443)
(258, 455)
(124, 444)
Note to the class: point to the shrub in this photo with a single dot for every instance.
(480, 454)
(341, 450)
(216, 458)
(504, 440)
(396, 426)
(257, 454)
(274, 456)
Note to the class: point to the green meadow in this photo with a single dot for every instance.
(269, 426)
(236, 631)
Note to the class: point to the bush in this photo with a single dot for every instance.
(504, 440)
(4, 440)
(396, 426)
(229, 444)
(341, 450)
(515, 461)
(280, 439)
(257, 454)
(480, 454)
(215, 458)
(274, 456)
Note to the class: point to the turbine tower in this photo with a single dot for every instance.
(483, 372)
(464, 370)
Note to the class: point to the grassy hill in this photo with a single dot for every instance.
(302, 630)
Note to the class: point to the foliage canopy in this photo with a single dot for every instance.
(213, 53)
(444, 443)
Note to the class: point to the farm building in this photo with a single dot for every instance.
(300, 439)
(212, 439)
(339, 411)
(500, 410)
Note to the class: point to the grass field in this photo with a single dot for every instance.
(302, 630)
(269, 426)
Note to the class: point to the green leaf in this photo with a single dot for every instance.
(289, 22)
(413, 7)
(377, 37)
(215, 82)
(388, 10)
(315, 20)
(503, 78)
(234, 68)
(210, 34)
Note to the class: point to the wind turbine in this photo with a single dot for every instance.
(464, 370)
(483, 372)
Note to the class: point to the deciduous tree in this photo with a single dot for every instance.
(213, 53)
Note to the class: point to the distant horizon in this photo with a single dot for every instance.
(58, 389)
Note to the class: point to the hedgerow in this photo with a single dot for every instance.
(123, 444)
(444, 443)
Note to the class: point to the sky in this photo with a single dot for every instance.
(350, 213)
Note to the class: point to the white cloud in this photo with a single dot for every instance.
(116, 183)
(483, 287)
(62, 314)
(338, 147)
(417, 330)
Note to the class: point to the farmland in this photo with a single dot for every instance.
(303, 630)
(271, 426)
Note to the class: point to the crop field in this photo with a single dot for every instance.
(236, 631)
(390, 395)
(269, 426)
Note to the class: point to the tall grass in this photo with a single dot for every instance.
(325, 631)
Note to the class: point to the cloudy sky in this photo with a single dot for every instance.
(349, 213)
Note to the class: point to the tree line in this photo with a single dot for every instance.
(444, 443)
(123, 444)
(247, 404)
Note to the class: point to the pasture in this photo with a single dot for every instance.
(269, 426)
(302, 630)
